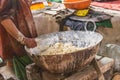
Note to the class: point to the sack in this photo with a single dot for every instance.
(112, 51)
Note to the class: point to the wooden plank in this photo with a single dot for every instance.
(97, 68)
(90, 73)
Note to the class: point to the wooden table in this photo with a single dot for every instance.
(89, 73)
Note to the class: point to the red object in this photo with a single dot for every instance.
(77, 4)
(113, 5)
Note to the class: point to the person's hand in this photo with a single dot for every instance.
(30, 42)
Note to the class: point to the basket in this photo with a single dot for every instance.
(77, 4)
(66, 63)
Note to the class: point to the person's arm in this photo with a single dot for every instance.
(2, 4)
(29, 2)
(10, 27)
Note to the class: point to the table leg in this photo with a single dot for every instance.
(97, 68)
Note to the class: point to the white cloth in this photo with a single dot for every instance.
(45, 24)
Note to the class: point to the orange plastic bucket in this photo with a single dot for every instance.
(77, 4)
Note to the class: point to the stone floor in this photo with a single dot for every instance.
(7, 73)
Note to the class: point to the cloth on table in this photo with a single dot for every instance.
(45, 24)
(75, 25)
(78, 23)
(49, 20)
(105, 23)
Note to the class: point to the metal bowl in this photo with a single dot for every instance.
(65, 63)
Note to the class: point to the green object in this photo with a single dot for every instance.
(104, 23)
(19, 64)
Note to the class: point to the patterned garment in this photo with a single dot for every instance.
(20, 14)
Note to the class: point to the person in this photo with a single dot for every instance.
(17, 28)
